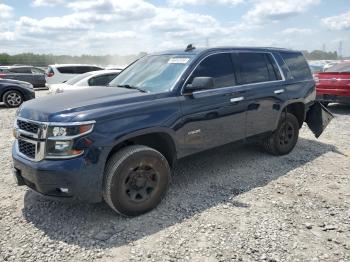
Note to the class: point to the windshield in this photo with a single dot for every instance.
(341, 67)
(77, 78)
(155, 73)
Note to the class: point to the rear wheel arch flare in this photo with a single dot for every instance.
(298, 110)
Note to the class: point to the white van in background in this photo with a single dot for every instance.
(60, 73)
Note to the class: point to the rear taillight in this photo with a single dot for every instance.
(316, 78)
(2, 75)
(50, 74)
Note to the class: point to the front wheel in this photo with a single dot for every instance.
(284, 138)
(136, 179)
(13, 98)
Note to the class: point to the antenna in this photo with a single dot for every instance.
(190, 47)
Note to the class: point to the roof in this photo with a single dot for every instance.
(72, 65)
(198, 51)
(107, 71)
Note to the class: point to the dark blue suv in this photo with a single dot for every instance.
(118, 143)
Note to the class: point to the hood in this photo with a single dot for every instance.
(79, 105)
(15, 82)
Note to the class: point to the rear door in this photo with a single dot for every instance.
(38, 77)
(65, 73)
(21, 74)
(216, 116)
(259, 76)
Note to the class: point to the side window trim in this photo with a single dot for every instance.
(235, 72)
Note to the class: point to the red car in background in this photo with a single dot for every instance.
(333, 85)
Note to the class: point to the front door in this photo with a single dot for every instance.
(213, 117)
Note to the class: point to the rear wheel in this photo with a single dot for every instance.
(136, 179)
(13, 98)
(284, 138)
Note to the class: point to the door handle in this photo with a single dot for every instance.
(279, 91)
(236, 99)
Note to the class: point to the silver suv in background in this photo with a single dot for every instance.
(60, 73)
(30, 74)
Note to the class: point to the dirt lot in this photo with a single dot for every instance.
(229, 204)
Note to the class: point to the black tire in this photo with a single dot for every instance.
(284, 138)
(136, 179)
(13, 98)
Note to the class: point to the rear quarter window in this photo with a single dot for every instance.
(66, 70)
(297, 65)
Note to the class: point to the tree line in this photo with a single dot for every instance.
(48, 59)
(321, 55)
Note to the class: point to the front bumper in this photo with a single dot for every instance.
(333, 98)
(28, 95)
(74, 179)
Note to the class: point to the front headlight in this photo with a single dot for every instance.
(69, 131)
(61, 139)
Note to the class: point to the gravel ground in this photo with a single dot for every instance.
(228, 204)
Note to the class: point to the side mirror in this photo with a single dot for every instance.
(200, 83)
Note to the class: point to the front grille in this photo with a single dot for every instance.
(26, 148)
(28, 126)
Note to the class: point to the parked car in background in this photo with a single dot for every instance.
(59, 73)
(333, 85)
(316, 68)
(93, 78)
(119, 143)
(30, 74)
(13, 93)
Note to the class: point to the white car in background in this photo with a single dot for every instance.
(59, 73)
(93, 78)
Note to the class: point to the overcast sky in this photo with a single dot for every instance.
(132, 26)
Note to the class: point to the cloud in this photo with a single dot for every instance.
(339, 22)
(47, 2)
(6, 11)
(275, 10)
(7, 36)
(127, 10)
(204, 2)
(294, 30)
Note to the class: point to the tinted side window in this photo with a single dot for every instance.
(37, 71)
(95, 68)
(297, 65)
(66, 70)
(219, 67)
(21, 70)
(101, 80)
(85, 69)
(253, 68)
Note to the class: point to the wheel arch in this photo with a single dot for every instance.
(159, 139)
(297, 108)
(10, 88)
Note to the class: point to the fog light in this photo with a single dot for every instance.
(62, 145)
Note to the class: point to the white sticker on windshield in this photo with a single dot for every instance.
(178, 60)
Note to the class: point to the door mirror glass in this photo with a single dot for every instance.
(200, 83)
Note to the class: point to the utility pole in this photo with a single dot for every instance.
(207, 42)
(340, 49)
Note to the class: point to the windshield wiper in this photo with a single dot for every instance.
(133, 87)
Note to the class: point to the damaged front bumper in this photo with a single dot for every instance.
(317, 118)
